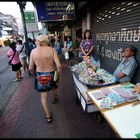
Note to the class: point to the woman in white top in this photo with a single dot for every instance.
(22, 55)
(68, 48)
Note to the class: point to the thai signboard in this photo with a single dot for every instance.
(55, 11)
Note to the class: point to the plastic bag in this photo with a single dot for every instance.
(56, 76)
(66, 55)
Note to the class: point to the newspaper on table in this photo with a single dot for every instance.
(116, 95)
(106, 103)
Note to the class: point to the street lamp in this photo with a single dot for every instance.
(22, 5)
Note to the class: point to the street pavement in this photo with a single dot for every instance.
(7, 86)
(24, 117)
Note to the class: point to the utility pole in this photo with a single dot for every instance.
(22, 5)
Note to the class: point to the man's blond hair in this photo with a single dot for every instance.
(43, 40)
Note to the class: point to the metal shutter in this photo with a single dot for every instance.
(115, 26)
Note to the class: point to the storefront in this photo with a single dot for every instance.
(115, 26)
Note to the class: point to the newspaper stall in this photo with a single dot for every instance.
(88, 76)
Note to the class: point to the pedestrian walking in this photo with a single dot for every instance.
(68, 51)
(22, 55)
(46, 60)
(31, 46)
(58, 46)
(77, 49)
(12, 54)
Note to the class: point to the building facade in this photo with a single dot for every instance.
(8, 25)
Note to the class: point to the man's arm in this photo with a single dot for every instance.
(31, 64)
(121, 75)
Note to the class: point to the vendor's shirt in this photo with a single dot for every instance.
(127, 67)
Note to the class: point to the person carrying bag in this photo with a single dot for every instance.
(20, 47)
(15, 62)
(12, 58)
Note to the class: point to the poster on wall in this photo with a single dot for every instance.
(55, 11)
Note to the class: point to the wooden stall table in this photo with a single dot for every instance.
(125, 120)
(124, 117)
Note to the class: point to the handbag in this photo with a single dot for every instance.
(9, 62)
(21, 49)
(12, 58)
(56, 75)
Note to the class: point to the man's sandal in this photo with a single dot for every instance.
(54, 99)
(49, 119)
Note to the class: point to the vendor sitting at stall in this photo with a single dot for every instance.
(127, 67)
